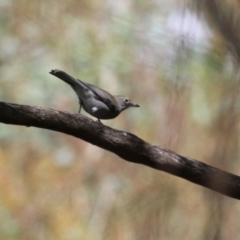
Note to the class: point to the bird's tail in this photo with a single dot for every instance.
(65, 77)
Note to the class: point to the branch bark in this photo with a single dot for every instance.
(126, 145)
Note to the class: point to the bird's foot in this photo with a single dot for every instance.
(99, 121)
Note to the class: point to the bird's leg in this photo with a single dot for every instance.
(80, 107)
(98, 120)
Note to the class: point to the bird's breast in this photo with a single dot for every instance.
(100, 111)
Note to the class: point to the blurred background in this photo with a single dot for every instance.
(179, 60)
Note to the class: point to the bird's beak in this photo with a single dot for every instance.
(134, 105)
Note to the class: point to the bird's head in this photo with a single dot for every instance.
(125, 102)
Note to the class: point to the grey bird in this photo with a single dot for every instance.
(94, 100)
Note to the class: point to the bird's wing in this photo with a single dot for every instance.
(99, 93)
(102, 96)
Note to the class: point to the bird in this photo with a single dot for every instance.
(95, 101)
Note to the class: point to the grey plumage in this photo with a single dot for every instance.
(96, 101)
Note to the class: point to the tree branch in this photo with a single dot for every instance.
(124, 144)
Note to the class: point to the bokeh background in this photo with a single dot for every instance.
(170, 57)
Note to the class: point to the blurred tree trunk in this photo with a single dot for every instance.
(224, 19)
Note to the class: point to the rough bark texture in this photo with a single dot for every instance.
(126, 145)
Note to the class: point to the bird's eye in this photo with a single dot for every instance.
(126, 100)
